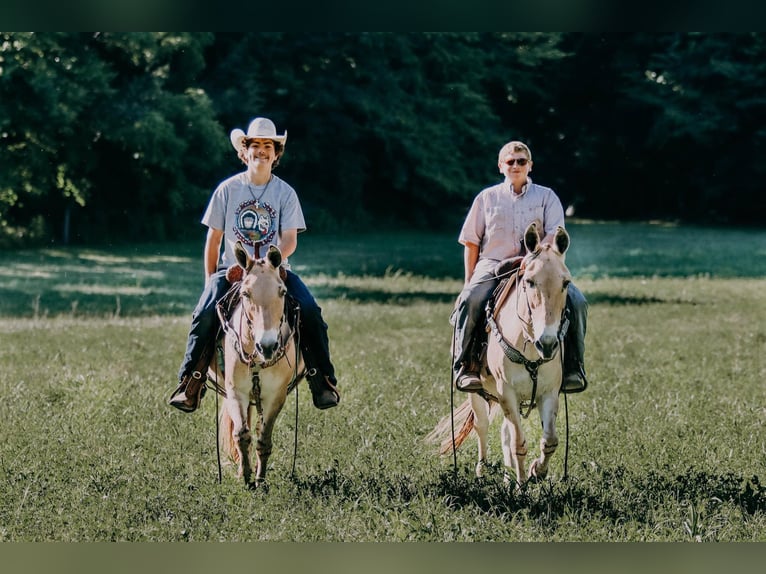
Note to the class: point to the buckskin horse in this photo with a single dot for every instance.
(262, 361)
(526, 322)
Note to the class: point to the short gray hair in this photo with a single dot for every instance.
(514, 146)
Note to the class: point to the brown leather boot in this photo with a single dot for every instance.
(323, 393)
(189, 393)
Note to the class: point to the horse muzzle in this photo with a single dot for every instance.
(267, 347)
(547, 345)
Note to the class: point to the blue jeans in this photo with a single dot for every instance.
(315, 344)
(470, 318)
(204, 326)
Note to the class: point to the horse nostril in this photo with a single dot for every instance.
(267, 349)
(546, 346)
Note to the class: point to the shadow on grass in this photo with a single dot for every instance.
(50, 303)
(612, 494)
(18, 303)
(601, 298)
(381, 296)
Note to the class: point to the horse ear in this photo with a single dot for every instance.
(274, 256)
(531, 238)
(561, 239)
(242, 256)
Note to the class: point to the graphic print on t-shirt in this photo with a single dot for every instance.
(255, 223)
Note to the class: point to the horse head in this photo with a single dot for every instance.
(544, 284)
(262, 295)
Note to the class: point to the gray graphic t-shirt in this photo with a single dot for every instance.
(252, 214)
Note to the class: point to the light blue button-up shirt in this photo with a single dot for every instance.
(498, 218)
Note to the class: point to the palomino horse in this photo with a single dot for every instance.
(524, 366)
(262, 362)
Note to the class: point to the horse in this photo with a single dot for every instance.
(526, 324)
(262, 362)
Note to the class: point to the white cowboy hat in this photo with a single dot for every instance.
(258, 128)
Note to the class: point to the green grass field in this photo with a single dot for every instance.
(667, 443)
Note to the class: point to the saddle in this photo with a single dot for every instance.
(507, 271)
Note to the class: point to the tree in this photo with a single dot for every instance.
(708, 95)
(385, 129)
(101, 126)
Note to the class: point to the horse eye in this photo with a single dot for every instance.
(530, 283)
(566, 283)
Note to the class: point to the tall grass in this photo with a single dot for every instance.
(666, 444)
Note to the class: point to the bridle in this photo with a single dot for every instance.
(513, 354)
(256, 358)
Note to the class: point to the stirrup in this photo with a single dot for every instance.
(468, 381)
(574, 382)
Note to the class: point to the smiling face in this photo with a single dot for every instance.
(261, 153)
(515, 163)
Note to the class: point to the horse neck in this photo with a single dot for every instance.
(513, 316)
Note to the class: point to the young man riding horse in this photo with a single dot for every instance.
(493, 231)
(258, 209)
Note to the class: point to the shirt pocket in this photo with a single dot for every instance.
(496, 220)
(527, 215)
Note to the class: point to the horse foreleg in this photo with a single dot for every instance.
(481, 426)
(271, 405)
(548, 407)
(244, 440)
(263, 446)
(238, 408)
(513, 441)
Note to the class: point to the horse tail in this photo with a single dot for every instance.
(464, 419)
(226, 437)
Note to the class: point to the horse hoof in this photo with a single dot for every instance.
(536, 473)
(257, 484)
(509, 480)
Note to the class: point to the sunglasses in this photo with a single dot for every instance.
(520, 161)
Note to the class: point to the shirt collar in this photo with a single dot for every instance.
(524, 188)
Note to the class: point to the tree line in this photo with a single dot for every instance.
(123, 136)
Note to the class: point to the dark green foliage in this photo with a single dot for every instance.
(104, 135)
(110, 137)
